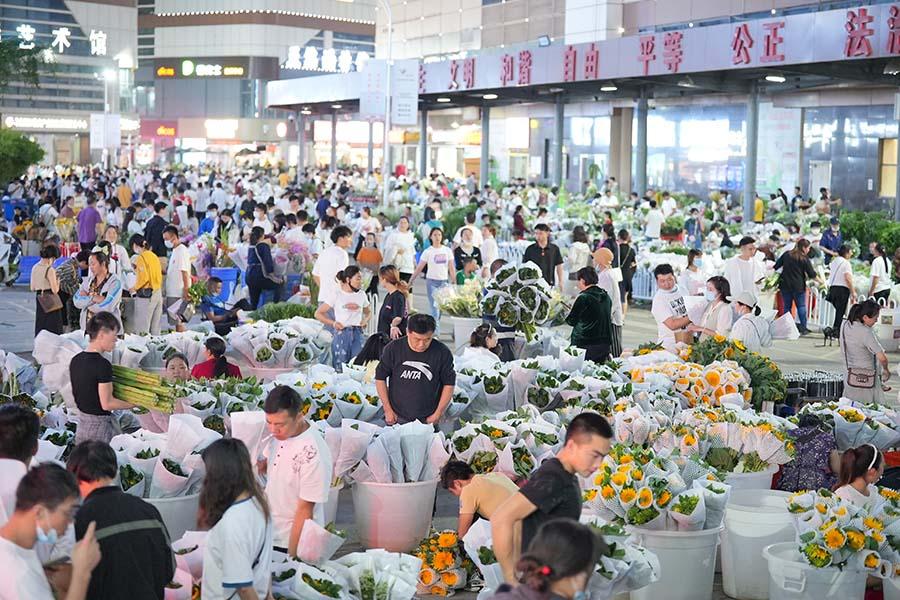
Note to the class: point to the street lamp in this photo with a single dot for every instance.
(107, 77)
(387, 104)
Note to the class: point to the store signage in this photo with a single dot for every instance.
(221, 129)
(405, 92)
(779, 40)
(190, 68)
(156, 129)
(45, 123)
(330, 61)
(60, 42)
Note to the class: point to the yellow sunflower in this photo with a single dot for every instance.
(619, 479)
(835, 539)
(873, 523)
(447, 539)
(442, 560)
(589, 495)
(719, 338)
(664, 498)
(856, 540)
(872, 560)
(645, 498)
(607, 492)
(627, 495)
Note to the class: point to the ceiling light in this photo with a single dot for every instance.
(490, 96)
(691, 24)
(443, 99)
(543, 41)
(774, 11)
(608, 88)
(454, 125)
(305, 111)
(335, 106)
(686, 82)
(621, 30)
(775, 78)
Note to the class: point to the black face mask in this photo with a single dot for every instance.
(353, 289)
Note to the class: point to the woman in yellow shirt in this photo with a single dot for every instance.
(147, 291)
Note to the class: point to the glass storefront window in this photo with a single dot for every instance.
(887, 168)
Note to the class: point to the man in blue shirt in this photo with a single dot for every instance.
(217, 312)
(208, 224)
(832, 240)
(322, 207)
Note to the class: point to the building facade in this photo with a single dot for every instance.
(203, 68)
(90, 51)
(815, 129)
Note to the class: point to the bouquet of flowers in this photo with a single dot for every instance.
(285, 344)
(832, 532)
(855, 424)
(380, 575)
(519, 297)
(699, 385)
(733, 440)
(635, 486)
(462, 300)
(445, 567)
(766, 380)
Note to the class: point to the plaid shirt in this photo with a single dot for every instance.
(69, 276)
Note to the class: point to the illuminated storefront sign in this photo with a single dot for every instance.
(157, 129)
(189, 68)
(329, 61)
(221, 129)
(45, 123)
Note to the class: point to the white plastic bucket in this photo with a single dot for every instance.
(462, 330)
(687, 562)
(332, 505)
(891, 589)
(754, 519)
(179, 514)
(791, 578)
(752, 481)
(393, 516)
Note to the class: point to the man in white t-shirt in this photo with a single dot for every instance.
(46, 501)
(668, 306)
(332, 260)
(298, 468)
(745, 271)
(669, 205)
(655, 219)
(178, 273)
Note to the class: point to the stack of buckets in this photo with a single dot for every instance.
(759, 537)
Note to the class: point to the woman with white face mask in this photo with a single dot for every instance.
(718, 316)
(750, 329)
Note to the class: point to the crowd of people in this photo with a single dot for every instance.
(133, 231)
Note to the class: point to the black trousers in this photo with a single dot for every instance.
(839, 296)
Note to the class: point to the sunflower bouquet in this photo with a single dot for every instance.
(636, 486)
(445, 567)
(855, 424)
(700, 385)
(765, 377)
(832, 532)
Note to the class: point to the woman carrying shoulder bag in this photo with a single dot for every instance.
(261, 269)
(863, 354)
(48, 312)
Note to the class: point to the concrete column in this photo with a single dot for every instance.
(640, 152)
(333, 166)
(485, 170)
(750, 159)
(559, 130)
(371, 149)
(423, 144)
(301, 144)
(620, 147)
